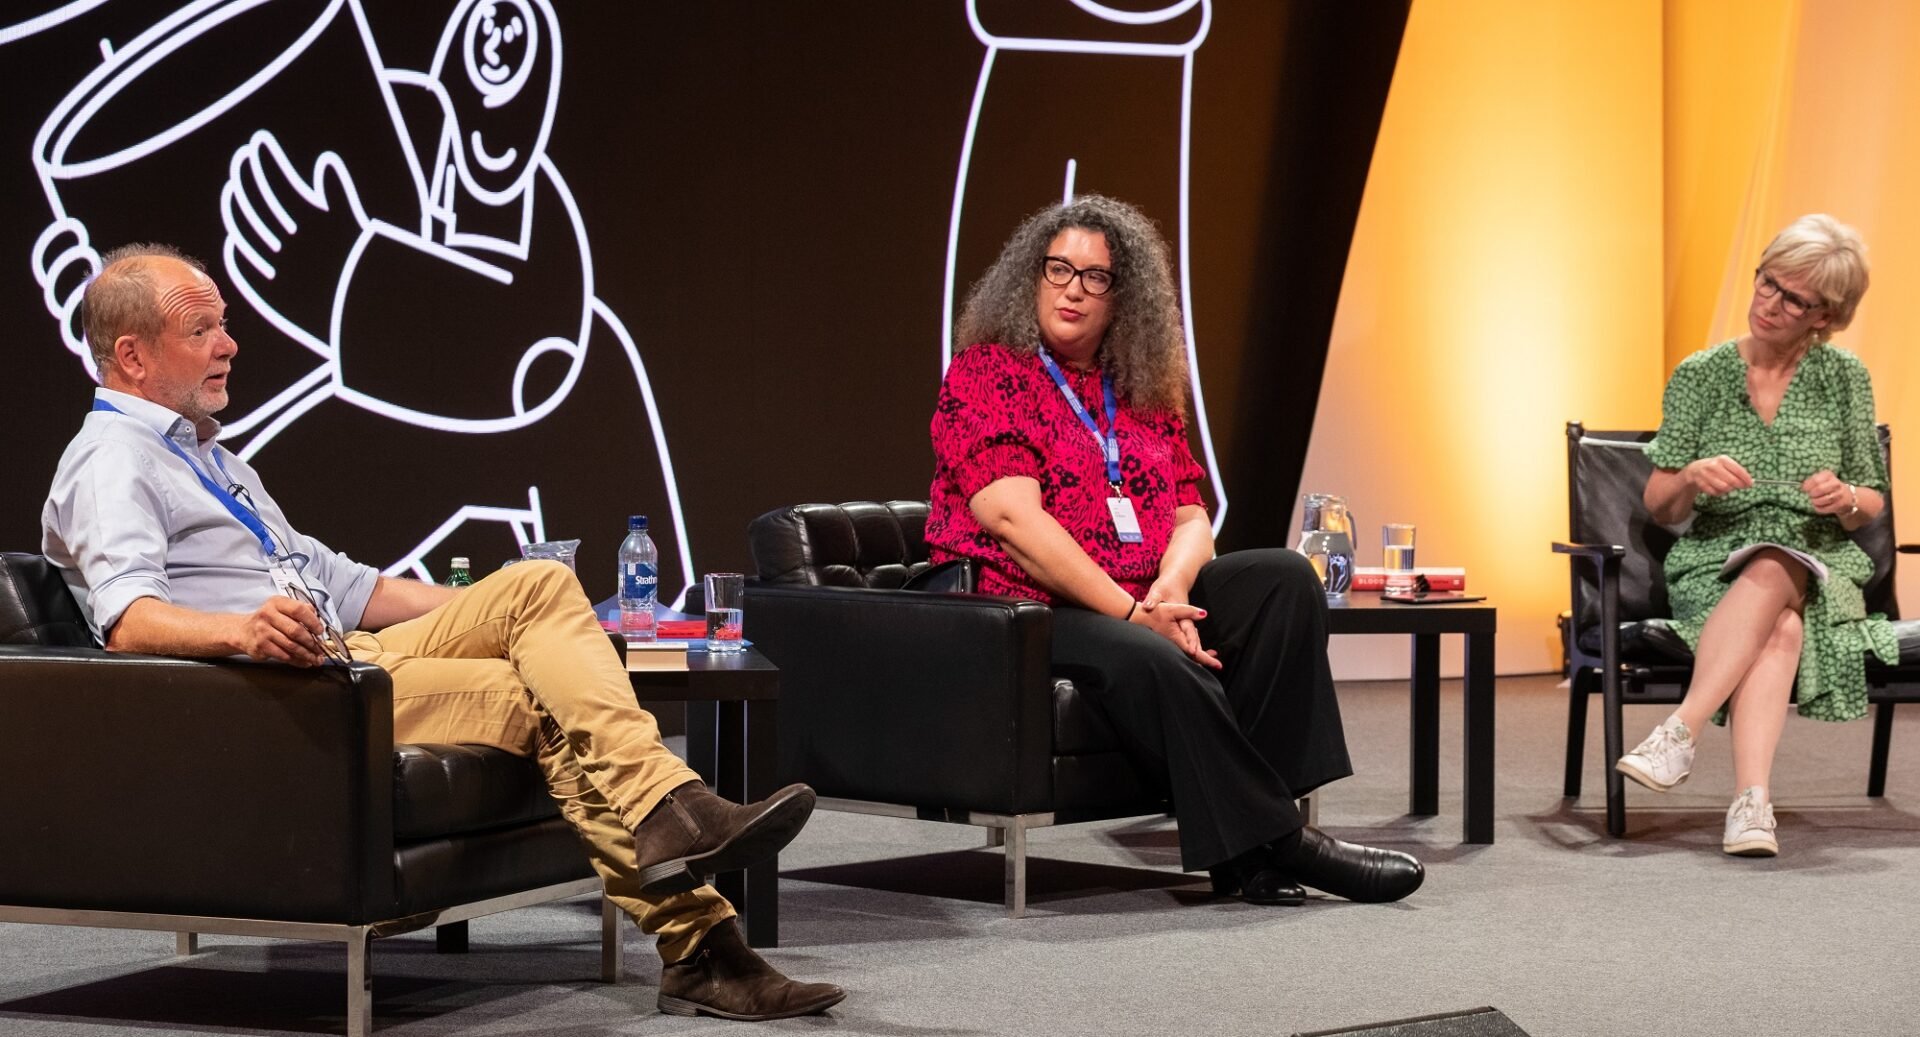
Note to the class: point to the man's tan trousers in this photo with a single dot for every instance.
(519, 662)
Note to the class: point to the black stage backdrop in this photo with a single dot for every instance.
(507, 268)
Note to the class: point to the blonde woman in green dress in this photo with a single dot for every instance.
(1767, 443)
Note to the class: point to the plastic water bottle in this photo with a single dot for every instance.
(639, 580)
(461, 574)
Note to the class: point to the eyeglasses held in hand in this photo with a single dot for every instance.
(332, 641)
(1060, 273)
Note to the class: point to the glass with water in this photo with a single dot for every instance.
(726, 626)
(1396, 546)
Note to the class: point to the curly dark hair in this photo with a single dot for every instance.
(1145, 346)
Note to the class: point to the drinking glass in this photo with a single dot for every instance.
(1396, 545)
(726, 627)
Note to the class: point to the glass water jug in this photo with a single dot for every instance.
(1326, 538)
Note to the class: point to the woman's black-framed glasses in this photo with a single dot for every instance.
(1060, 273)
(1795, 306)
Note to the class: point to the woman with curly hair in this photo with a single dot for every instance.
(1062, 470)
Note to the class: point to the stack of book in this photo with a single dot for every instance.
(677, 636)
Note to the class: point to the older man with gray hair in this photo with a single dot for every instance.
(171, 545)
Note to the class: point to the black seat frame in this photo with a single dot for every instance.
(1616, 552)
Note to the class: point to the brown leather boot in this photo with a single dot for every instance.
(723, 977)
(693, 833)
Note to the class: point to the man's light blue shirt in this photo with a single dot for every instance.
(127, 518)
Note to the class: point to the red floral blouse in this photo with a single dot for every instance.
(1000, 415)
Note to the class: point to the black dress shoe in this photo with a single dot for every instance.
(693, 833)
(1360, 873)
(1253, 878)
(724, 978)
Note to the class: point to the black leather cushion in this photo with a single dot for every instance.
(35, 606)
(1653, 642)
(1644, 641)
(858, 544)
(957, 576)
(1908, 631)
(1079, 728)
(430, 875)
(442, 790)
(1094, 786)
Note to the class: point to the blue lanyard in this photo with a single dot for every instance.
(240, 511)
(1110, 442)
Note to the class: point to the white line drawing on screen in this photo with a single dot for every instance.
(524, 522)
(42, 22)
(1183, 50)
(473, 183)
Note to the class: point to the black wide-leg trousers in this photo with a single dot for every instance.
(1236, 745)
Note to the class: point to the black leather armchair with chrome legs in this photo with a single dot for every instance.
(921, 704)
(143, 792)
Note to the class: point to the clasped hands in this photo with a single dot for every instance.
(1721, 475)
(1174, 620)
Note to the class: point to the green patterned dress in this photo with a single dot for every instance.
(1825, 421)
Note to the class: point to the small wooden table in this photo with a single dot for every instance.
(1365, 613)
(731, 727)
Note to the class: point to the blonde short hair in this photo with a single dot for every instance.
(1830, 257)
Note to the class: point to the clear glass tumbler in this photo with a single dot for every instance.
(1396, 546)
(726, 626)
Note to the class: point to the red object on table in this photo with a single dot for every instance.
(670, 629)
(681, 629)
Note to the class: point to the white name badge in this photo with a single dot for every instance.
(284, 578)
(1125, 522)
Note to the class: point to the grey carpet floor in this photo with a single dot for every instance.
(1565, 930)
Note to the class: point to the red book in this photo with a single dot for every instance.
(1440, 578)
(667, 629)
(682, 629)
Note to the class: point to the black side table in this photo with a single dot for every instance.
(731, 727)
(1365, 613)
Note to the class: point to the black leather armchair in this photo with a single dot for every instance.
(143, 792)
(936, 706)
(1619, 643)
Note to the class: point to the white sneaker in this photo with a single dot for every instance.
(1663, 760)
(1750, 826)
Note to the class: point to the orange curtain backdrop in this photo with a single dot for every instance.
(1565, 201)
(1777, 109)
(1724, 142)
(1506, 276)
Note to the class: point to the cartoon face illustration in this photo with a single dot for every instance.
(499, 64)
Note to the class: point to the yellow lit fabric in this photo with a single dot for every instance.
(1566, 200)
(1723, 144)
(1776, 109)
(1505, 277)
